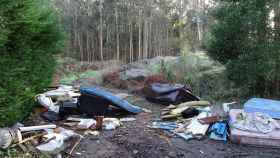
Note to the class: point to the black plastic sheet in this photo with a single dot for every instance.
(167, 94)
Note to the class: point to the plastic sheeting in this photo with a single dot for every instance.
(267, 106)
(167, 94)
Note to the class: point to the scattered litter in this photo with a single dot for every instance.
(62, 93)
(69, 108)
(93, 133)
(210, 119)
(146, 110)
(8, 137)
(188, 109)
(191, 118)
(86, 123)
(36, 128)
(47, 103)
(218, 131)
(111, 123)
(167, 94)
(185, 136)
(82, 123)
(127, 119)
(164, 125)
(197, 129)
(185, 106)
(226, 107)
(56, 142)
(190, 112)
(77, 153)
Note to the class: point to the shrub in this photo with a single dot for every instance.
(29, 37)
(244, 40)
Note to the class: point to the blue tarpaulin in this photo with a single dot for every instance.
(267, 106)
(117, 101)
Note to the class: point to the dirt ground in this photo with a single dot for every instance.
(136, 140)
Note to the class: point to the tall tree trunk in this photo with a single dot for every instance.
(130, 42)
(118, 34)
(145, 40)
(101, 30)
(140, 35)
(80, 46)
(88, 47)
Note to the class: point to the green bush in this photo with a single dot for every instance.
(29, 37)
(244, 40)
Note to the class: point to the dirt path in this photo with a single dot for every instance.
(136, 140)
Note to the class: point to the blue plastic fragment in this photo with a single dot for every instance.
(266, 106)
(164, 125)
(117, 101)
(218, 131)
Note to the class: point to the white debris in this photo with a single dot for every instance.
(127, 119)
(86, 123)
(111, 123)
(47, 103)
(226, 107)
(197, 129)
(57, 141)
(36, 128)
(83, 123)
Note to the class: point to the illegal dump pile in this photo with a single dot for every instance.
(256, 124)
(73, 114)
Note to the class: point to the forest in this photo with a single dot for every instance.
(132, 30)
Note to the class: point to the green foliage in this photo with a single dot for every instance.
(244, 40)
(204, 76)
(29, 37)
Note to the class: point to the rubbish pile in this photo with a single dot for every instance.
(69, 115)
(255, 124)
